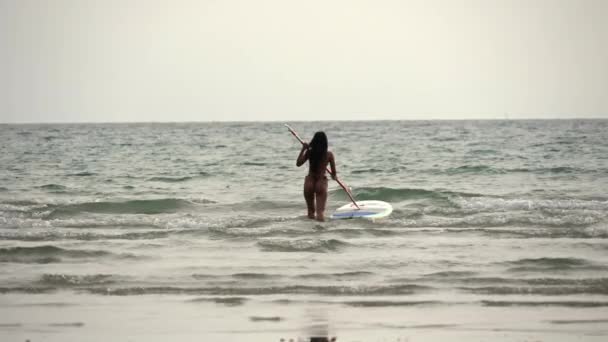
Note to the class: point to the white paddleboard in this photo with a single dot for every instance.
(368, 209)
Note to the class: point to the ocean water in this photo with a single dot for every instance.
(197, 231)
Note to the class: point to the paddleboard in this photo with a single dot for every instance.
(368, 209)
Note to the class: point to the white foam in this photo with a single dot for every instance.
(484, 204)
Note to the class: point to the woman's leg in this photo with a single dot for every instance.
(321, 198)
(309, 196)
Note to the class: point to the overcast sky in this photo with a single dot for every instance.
(179, 60)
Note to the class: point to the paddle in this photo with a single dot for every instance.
(328, 170)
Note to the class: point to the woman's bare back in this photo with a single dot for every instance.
(315, 184)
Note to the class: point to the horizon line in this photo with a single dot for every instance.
(298, 120)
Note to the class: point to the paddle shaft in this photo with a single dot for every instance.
(328, 170)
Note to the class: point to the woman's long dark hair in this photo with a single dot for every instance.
(318, 150)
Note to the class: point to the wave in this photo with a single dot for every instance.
(21, 207)
(552, 264)
(170, 179)
(463, 278)
(83, 236)
(489, 204)
(81, 174)
(227, 301)
(149, 207)
(495, 303)
(254, 276)
(159, 227)
(48, 254)
(264, 205)
(50, 304)
(475, 169)
(450, 274)
(49, 212)
(52, 187)
(352, 233)
(341, 275)
(22, 203)
(578, 321)
(403, 289)
(363, 171)
(302, 245)
(75, 280)
(519, 286)
(67, 324)
(102, 284)
(574, 304)
(27, 289)
(173, 226)
(537, 290)
(52, 137)
(254, 164)
(483, 151)
(445, 138)
(255, 228)
(490, 170)
(388, 303)
(557, 169)
(571, 220)
(267, 276)
(179, 223)
(399, 194)
(265, 319)
(469, 277)
(566, 231)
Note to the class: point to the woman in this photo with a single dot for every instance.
(315, 183)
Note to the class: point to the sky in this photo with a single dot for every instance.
(283, 60)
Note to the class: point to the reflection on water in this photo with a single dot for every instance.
(318, 326)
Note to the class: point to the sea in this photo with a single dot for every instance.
(198, 232)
